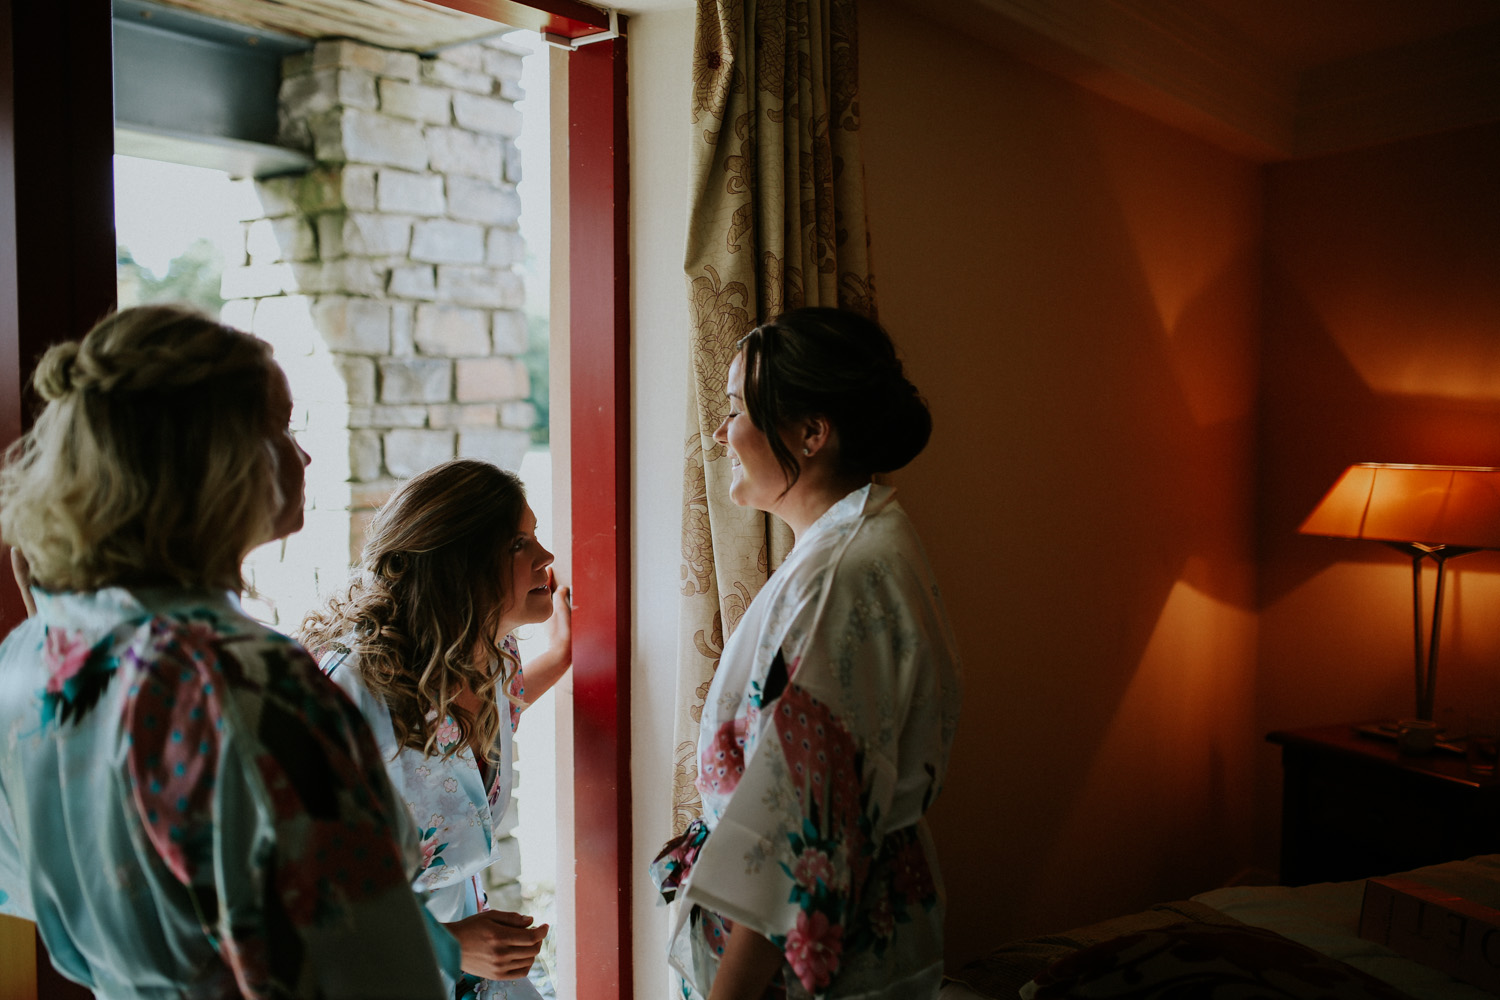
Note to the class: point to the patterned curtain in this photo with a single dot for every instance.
(777, 222)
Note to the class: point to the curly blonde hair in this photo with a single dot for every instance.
(151, 461)
(422, 611)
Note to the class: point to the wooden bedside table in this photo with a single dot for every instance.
(1352, 807)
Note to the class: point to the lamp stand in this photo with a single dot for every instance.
(1426, 677)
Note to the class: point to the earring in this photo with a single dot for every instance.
(807, 451)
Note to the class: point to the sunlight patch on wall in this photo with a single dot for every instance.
(1179, 729)
(1193, 686)
(1439, 349)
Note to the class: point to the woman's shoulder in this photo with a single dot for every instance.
(194, 620)
(74, 634)
(257, 675)
(339, 661)
(875, 542)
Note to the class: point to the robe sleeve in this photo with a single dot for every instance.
(340, 667)
(14, 896)
(15, 890)
(836, 775)
(260, 790)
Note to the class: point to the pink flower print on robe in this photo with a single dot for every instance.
(172, 719)
(813, 866)
(716, 931)
(822, 757)
(516, 689)
(722, 762)
(813, 949)
(430, 845)
(65, 653)
(912, 876)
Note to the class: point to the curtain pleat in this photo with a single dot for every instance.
(777, 222)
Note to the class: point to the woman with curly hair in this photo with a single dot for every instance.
(187, 807)
(421, 640)
(826, 730)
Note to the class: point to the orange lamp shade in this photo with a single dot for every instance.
(1430, 504)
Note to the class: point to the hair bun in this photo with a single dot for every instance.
(54, 373)
(899, 429)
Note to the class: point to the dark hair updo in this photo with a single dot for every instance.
(841, 366)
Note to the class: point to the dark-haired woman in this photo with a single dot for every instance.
(422, 643)
(825, 734)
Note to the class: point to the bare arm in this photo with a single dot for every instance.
(747, 968)
(548, 667)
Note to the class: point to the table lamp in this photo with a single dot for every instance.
(1432, 512)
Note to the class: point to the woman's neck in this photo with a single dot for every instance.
(811, 497)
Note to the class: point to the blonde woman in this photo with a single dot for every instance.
(187, 807)
(421, 641)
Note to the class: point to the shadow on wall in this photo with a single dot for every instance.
(1073, 287)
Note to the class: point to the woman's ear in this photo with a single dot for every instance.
(814, 434)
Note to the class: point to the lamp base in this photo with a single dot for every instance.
(1412, 736)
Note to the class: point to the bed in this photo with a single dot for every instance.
(1243, 941)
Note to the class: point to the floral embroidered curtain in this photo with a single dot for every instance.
(777, 222)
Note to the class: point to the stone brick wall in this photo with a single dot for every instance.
(385, 278)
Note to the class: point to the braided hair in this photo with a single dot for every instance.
(150, 463)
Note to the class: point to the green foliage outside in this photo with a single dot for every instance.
(192, 277)
(537, 354)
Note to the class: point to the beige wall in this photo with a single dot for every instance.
(1107, 315)
(1074, 288)
(661, 48)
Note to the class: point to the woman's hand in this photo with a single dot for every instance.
(549, 666)
(497, 944)
(559, 627)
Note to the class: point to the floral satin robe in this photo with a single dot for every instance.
(825, 736)
(189, 809)
(455, 813)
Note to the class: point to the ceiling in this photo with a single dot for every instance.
(1305, 34)
(1270, 79)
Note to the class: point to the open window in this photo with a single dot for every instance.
(57, 276)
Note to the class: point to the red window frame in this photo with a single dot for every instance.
(57, 205)
(57, 278)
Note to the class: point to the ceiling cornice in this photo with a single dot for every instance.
(1443, 83)
(1184, 65)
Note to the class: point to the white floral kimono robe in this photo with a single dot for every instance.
(825, 736)
(455, 813)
